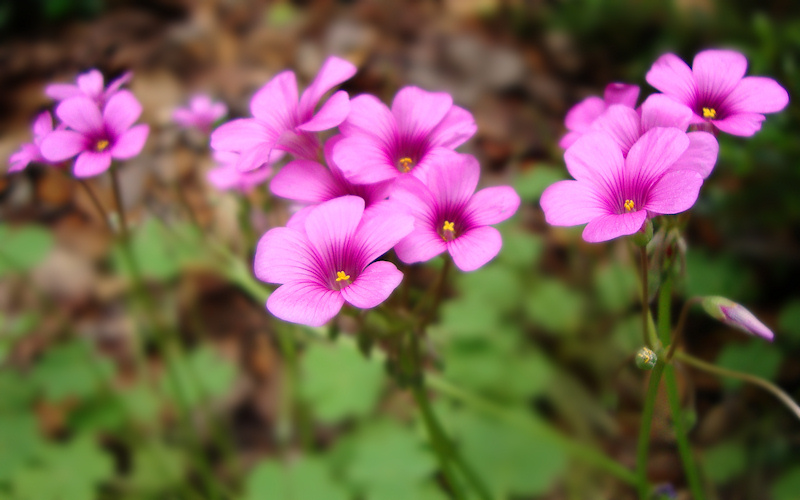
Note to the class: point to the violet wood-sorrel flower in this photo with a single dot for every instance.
(201, 113)
(94, 136)
(450, 216)
(612, 194)
(329, 259)
(89, 84)
(282, 122)
(717, 92)
(307, 181)
(626, 125)
(736, 316)
(581, 116)
(226, 176)
(30, 152)
(421, 129)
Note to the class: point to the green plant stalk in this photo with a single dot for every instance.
(96, 202)
(665, 310)
(681, 434)
(643, 445)
(645, 294)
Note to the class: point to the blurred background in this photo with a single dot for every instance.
(90, 408)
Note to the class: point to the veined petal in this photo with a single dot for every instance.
(452, 177)
(756, 94)
(492, 205)
(417, 199)
(276, 102)
(475, 248)
(60, 145)
(741, 124)
(306, 303)
(363, 160)
(622, 124)
(595, 158)
(283, 255)
(610, 226)
(240, 135)
(90, 163)
(334, 71)
(700, 156)
(621, 93)
(383, 224)
(373, 285)
(305, 181)
(660, 110)
(81, 114)
(581, 116)
(455, 129)
(675, 192)
(571, 203)
(656, 151)
(717, 72)
(330, 115)
(255, 157)
(672, 76)
(130, 143)
(421, 245)
(370, 116)
(418, 111)
(331, 226)
(121, 111)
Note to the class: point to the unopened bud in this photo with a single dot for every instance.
(646, 359)
(733, 314)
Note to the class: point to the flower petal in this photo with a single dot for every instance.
(756, 94)
(700, 156)
(90, 163)
(114, 86)
(81, 114)
(91, 83)
(656, 151)
(621, 93)
(741, 124)
(62, 144)
(368, 115)
(121, 111)
(42, 126)
(569, 139)
(418, 111)
(717, 72)
(62, 91)
(452, 177)
(334, 71)
(330, 115)
(672, 76)
(660, 110)
(455, 129)
(595, 158)
(475, 248)
(305, 181)
(284, 254)
(621, 123)
(373, 285)
(383, 224)
(330, 227)
(675, 192)
(241, 135)
(417, 199)
(306, 303)
(610, 226)
(130, 143)
(581, 116)
(421, 245)
(571, 203)
(276, 102)
(255, 157)
(363, 160)
(492, 205)
(22, 157)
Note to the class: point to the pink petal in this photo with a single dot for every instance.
(717, 72)
(455, 129)
(453, 177)
(492, 205)
(621, 123)
(672, 76)
(583, 114)
(418, 111)
(332, 113)
(475, 248)
(42, 126)
(756, 94)
(700, 156)
(276, 102)
(675, 192)
(306, 303)
(610, 226)
(130, 143)
(305, 181)
(569, 139)
(82, 114)
(660, 110)
(362, 160)
(370, 116)
(595, 158)
(114, 86)
(621, 93)
(333, 72)
(373, 285)
(656, 151)
(382, 226)
(240, 135)
(90, 163)
(20, 159)
(184, 117)
(255, 157)
(416, 197)
(91, 83)
(741, 124)
(284, 254)
(217, 111)
(121, 111)
(62, 91)
(298, 219)
(62, 144)
(571, 203)
(421, 245)
(330, 227)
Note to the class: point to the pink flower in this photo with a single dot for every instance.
(451, 216)
(201, 113)
(614, 194)
(307, 181)
(31, 152)
(226, 176)
(736, 316)
(717, 92)
(329, 260)
(581, 116)
(96, 138)
(420, 129)
(282, 122)
(626, 126)
(89, 84)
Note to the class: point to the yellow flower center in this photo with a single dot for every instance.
(341, 276)
(449, 231)
(101, 145)
(629, 205)
(405, 163)
(710, 113)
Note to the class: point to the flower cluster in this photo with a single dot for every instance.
(390, 179)
(630, 164)
(97, 125)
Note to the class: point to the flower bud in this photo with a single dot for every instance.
(646, 359)
(733, 314)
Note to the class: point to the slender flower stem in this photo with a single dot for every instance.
(643, 446)
(682, 435)
(96, 202)
(118, 199)
(678, 335)
(645, 294)
(746, 377)
(438, 291)
(665, 312)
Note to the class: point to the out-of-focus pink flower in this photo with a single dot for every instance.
(94, 136)
(581, 116)
(89, 84)
(282, 122)
(201, 113)
(450, 216)
(717, 92)
(733, 314)
(614, 194)
(329, 260)
(307, 181)
(421, 129)
(626, 126)
(31, 152)
(226, 176)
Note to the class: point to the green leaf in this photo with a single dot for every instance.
(724, 462)
(19, 441)
(787, 485)
(17, 392)
(71, 370)
(616, 286)
(521, 248)
(200, 375)
(755, 357)
(469, 317)
(494, 285)
(532, 183)
(156, 466)
(555, 307)
(338, 383)
(717, 275)
(307, 478)
(23, 248)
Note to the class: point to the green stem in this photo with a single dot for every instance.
(665, 311)
(682, 435)
(643, 446)
(678, 335)
(645, 293)
(96, 202)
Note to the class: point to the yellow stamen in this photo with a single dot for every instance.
(449, 226)
(101, 145)
(710, 113)
(341, 276)
(629, 205)
(405, 163)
